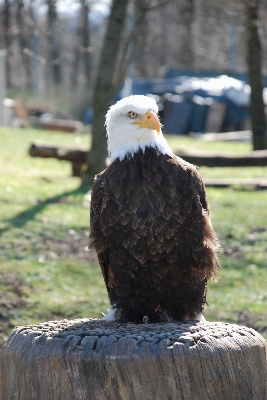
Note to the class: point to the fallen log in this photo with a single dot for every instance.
(254, 183)
(93, 359)
(77, 156)
(208, 159)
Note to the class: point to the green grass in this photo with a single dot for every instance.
(46, 272)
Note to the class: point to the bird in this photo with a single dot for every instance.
(149, 222)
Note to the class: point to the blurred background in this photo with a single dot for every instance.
(62, 64)
(192, 54)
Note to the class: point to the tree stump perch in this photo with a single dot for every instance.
(97, 360)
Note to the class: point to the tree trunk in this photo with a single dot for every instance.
(106, 88)
(53, 43)
(255, 77)
(23, 38)
(186, 58)
(2, 85)
(140, 38)
(85, 40)
(7, 39)
(82, 62)
(97, 360)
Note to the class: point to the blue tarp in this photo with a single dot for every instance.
(184, 114)
(177, 72)
(184, 98)
(184, 101)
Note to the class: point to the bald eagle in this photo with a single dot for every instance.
(149, 222)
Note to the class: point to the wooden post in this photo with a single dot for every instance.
(97, 360)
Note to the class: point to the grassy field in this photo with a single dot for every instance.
(46, 271)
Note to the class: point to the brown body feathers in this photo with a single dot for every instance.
(151, 230)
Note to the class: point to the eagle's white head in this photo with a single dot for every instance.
(132, 124)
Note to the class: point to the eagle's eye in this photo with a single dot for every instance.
(132, 114)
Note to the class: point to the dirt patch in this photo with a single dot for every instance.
(75, 244)
(233, 251)
(253, 321)
(47, 247)
(12, 284)
(256, 237)
(12, 297)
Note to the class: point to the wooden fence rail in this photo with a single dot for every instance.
(77, 156)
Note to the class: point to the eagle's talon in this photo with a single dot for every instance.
(145, 320)
(166, 316)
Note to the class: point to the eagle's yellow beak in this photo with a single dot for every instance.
(150, 121)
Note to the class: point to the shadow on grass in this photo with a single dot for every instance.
(23, 217)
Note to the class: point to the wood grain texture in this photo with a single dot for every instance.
(96, 360)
